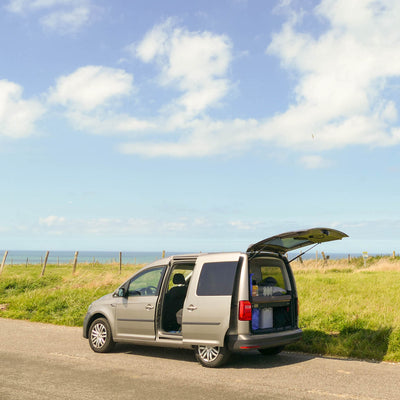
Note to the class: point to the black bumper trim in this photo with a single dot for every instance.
(268, 340)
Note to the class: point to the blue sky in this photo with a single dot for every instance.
(198, 125)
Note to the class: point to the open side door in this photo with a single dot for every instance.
(289, 241)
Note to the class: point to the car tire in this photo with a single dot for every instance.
(271, 351)
(212, 356)
(100, 336)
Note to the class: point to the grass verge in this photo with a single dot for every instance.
(349, 310)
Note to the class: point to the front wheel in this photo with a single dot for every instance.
(100, 336)
(212, 356)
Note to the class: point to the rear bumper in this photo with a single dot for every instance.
(268, 340)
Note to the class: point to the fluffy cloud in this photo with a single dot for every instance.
(89, 95)
(343, 74)
(62, 16)
(90, 87)
(194, 62)
(341, 94)
(66, 21)
(17, 116)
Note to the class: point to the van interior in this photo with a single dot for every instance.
(174, 297)
(272, 303)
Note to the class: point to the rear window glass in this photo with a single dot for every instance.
(217, 279)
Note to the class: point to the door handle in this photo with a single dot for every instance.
(192, 308)
(149, 307)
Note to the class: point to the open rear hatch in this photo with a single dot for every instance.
(273, 293)
(294, 240)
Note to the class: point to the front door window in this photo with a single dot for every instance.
(147, 283)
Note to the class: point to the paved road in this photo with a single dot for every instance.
(39, 361)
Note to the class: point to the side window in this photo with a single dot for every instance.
(217, 279)
(147, 283)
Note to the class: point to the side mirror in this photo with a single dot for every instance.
(122, 292)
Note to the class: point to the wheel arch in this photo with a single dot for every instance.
(93, 318)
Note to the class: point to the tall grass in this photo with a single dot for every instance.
(346, 309)
(350, 310)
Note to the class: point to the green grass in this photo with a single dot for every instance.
(348, 310)
(345, 309)
(58, 297)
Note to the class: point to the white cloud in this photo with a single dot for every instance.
(62, 16)
(340, 97)
(17, 116)
(194, 62)
(207, 138)
(343, 74)
(91, 94)
(90, 87)
(66, 21)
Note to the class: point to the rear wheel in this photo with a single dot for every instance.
(212, 356)
(100, 336)
(271, 351)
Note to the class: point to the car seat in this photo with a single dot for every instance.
(173, 302)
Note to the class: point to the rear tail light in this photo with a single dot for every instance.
(244, 310)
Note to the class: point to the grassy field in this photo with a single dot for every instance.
(345, 309)
(58, 297)
(350, 310)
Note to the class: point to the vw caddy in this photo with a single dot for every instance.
(214, 303)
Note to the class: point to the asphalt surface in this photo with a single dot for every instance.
(40, 361)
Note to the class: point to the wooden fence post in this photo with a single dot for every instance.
(394, 254)
(75, 261)
(45, 263)
(163, 254)
(120, 262)
(3, 262)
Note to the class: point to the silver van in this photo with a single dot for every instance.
(214, 303)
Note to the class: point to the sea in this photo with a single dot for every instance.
(128, 257)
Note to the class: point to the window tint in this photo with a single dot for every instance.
(147, 283)
(217, 279)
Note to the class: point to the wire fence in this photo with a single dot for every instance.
(44, 258)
